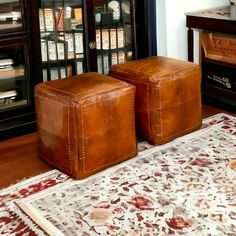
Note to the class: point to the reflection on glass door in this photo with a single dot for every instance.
(10, 15)
(13, 76)
(62, 38)
(114, 39)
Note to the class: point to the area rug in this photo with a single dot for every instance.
(186, 187)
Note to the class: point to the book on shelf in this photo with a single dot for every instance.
(6, 64)
(8, 94)
(12, 73)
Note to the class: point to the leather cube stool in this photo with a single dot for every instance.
(168, 97)
(85, 123)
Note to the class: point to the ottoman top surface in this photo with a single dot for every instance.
(153, 68)
(82, 85)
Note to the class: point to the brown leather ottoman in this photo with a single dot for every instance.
(168, 98)
(85, 123)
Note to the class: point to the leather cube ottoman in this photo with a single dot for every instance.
(85, 123)
(168, 97)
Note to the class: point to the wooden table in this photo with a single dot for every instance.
(216, 19)
(220, 20)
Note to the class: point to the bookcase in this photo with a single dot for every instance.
(16, 94)
(78, 36)
(43, 40)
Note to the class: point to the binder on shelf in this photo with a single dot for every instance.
(41, 20)
(103, 64)
(69, 39)
(117, 58)
(50, 52)
(60, 19)
(79, 47)
(79, 67)
(102, 39)
(128, 34)
(57, 73)
(120, 37)
(78, 14)
(44, 50)
(109, 38)
(47, 19)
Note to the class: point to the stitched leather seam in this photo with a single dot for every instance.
(68, 127)
(75, 137)
(148, 113)
(68, 138)
(133, 118)
(82, 132)
(160, 113)
(49, 99)
(84, 91)
(148, 102)
(192, 70)
(82, 127)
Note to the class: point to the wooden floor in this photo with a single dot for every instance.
(19, 158)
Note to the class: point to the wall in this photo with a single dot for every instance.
(171, 26)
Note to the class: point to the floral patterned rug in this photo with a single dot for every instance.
(185, 187)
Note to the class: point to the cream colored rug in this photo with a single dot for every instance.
(185, 187)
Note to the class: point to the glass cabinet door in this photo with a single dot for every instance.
(10, 15)
(62, 38)
(114, 37)
(14, 88)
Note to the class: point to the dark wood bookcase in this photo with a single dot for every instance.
(16, 75)
(54, 39)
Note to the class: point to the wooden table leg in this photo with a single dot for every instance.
(190, 44)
